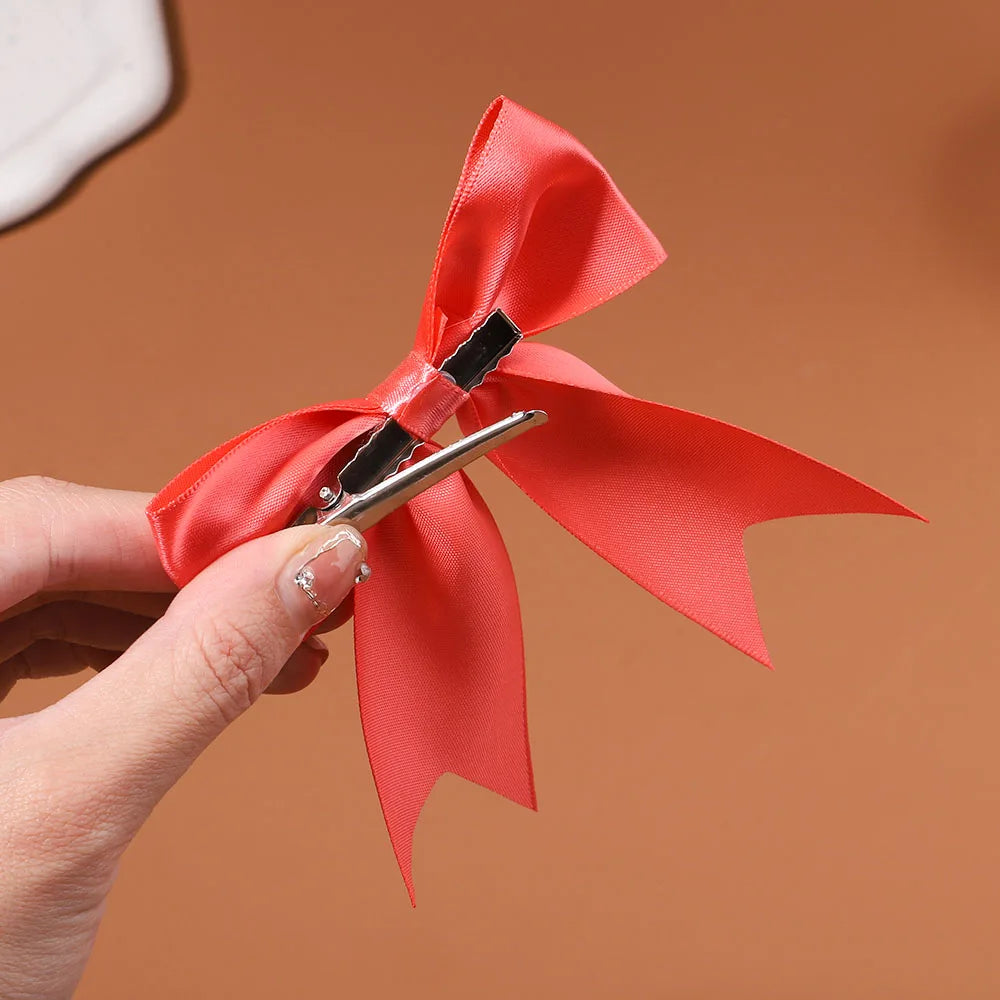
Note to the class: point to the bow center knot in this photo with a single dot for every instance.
(418, 396)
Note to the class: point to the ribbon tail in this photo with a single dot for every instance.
(440, 658)
(661, 493)
(249, 486)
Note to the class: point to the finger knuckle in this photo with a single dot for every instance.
(32, 487)
(29, 505)
(232, 659)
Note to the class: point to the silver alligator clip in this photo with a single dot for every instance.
(362, 510)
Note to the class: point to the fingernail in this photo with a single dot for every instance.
(322, 574)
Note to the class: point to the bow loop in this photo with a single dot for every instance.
(249, 486)
(537, 228)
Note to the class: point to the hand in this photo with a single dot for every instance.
(81, 586)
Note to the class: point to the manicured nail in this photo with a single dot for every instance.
(322, 574)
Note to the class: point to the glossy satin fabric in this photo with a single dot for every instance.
(538, 229)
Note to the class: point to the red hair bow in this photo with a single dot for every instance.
(537, 229)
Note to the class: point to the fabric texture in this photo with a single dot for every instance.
(537, 228)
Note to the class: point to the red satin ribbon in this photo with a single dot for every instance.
(538, 229)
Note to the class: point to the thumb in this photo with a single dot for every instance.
(129, 733)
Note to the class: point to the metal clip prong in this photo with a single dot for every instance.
(365, 509)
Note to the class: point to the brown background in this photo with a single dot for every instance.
(826, 177)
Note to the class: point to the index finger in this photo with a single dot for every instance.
(62, 536)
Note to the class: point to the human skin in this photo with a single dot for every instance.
(81, 587)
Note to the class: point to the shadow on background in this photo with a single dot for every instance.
(967, 189)
(178, 92)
